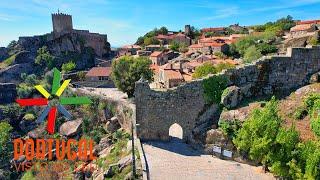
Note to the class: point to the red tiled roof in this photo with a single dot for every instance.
(212, 29)
(213, 44)
(196, 46)
(308, 22)
(301, 27)
(99, 71)
(131, 46)
(172, 74)
(156, 54)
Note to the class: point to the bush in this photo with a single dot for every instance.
(204, 70)
(127, 70)
(259, 132)
(213, 88)
(44, 58)
(67, 67)
(230, 128)
(5, 129)
(29, 117)
(251, 54)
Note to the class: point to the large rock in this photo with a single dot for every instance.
(39, 132)
(239, 114)
(231, 97)
(27, 126)
(112, 125)
(13, 73)
(24, 57)
(3, 53)
(70, 128)
(124, 162)
(8, 93)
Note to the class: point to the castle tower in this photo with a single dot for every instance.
(187, 30)
(61, 23)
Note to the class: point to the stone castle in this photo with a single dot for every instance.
(65, 38)
(185, 105)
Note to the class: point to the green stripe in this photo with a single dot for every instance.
(56, 80)
(75, 100)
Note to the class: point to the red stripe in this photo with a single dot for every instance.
(51, 120)
(32, 102)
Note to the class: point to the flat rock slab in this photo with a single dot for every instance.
(70, 128)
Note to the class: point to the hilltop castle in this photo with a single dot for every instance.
(64, 38)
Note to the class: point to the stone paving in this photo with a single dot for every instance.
(177, 160)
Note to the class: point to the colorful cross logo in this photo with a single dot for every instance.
(53, 101)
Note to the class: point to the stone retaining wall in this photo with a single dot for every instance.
(156, 111)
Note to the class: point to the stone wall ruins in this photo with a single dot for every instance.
(156, 111)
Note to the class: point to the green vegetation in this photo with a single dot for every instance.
(314, 41)
(150, 40)
(67, 67)
(230, 128)
(127, 70)
(220, 55)
(176, 46)
(5, 145)
(26, 88)
(263, 42)
(265, 141)
(29, 117)
(251, 54)
(213, 88)
(209, 68)
(44, 58)
(279, 26)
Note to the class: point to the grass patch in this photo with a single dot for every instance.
(7, 62)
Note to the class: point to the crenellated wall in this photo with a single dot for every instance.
(156, 111)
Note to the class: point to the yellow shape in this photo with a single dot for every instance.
(42, 91)
(63, 87)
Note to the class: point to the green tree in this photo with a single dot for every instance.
(67, 67)
(5, 129)
(163, 30)
(127, 70)
(258, 134)
(151, 40)
(204, 70)
(44, 58)
(251, 54)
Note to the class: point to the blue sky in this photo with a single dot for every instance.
(124, 20)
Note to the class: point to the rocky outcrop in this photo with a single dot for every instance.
(8, 93)
(215, 137)
(112, 125)
(70, 128)
(3, 53)
(13, 73)
(231, 97)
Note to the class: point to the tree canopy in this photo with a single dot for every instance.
(127, 70)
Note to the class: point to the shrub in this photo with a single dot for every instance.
(230, 128)
(127, 70)
(29, 117)
(213, 88)
(204, 70)
(44, 58)
(67, 67)
(259, 132)
(252, 54)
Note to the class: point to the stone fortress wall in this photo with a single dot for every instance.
(185, 105)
